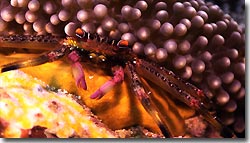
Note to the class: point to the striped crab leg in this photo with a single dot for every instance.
(44, 58)
(139, 91)
(183, 92)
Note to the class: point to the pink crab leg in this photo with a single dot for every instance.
(77, 70)
(106, 87)
(145, 100)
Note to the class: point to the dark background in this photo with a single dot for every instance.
(235, 8)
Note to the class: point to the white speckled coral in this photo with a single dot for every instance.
(27, 104)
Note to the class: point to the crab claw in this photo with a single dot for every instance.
(79, 76)
(106, 87)
(77, 70)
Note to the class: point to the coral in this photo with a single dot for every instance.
(27, 106)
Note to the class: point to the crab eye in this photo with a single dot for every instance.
(92, 55)
(80, 33)
(123, 44)
(102, 58)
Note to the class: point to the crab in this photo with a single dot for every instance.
(117, 55)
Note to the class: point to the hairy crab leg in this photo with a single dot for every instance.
(144, 98)
(38, 42)
(194, 91)
(106, 87)
(77, 70)
(165, 80)
(44, 58)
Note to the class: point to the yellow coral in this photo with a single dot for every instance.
(25, 103)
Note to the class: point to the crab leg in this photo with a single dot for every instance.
(106, 87)
(191, 89)
(44, 58)
(144, 98)
(167, 81)
(77, 70)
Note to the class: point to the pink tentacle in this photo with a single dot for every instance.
(106, 87)
(77, 70)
